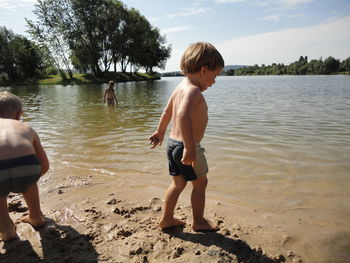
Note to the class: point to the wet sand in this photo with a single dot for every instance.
(89, 220)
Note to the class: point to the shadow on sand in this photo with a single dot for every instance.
(238, 248)
(59, 244)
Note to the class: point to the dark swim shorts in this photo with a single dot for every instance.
(175, 150)
(17, 174)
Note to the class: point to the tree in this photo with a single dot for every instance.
(7, 63)
(94, 34)
(345, 65)
(46, 31)
(20, 58)
(331, 65)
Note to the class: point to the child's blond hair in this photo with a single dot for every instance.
(198, 55)
(10, 104)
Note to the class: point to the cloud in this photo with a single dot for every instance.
(229, 1)
(11, 5)
(286, 46)
(294, 2)
(288, 4)
(296, 16)
(176, 29)
(273, 18)
(191, 11)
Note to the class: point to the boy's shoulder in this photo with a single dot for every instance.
(13, 124)
(187, 85)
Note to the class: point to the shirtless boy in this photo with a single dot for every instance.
(22, 162)
(188, 112)
(109, 94)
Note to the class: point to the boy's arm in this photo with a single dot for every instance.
(158, 136)
(104, 95)
(184, 116)
(115, 97)
(40, 154)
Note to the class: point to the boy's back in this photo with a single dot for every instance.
(16, 139)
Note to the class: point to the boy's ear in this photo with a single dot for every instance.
(204, 69)
(18, 115)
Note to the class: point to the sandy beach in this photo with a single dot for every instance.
(91, 221)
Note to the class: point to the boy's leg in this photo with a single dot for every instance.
(7, 228)
(198, 204)
(35, 217)
(171, 196)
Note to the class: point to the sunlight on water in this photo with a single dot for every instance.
(278, 142)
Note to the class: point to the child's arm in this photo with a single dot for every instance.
(187, 105)
(158, 136)
(40, 154)
(115, 97)
(104, 95)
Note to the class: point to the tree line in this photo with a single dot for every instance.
(93, 36)
(20, 58)
(300, 67)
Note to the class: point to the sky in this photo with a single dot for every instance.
(246, 32)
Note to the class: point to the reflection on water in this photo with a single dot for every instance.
(280, 142)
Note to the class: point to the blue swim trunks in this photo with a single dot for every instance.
(17, 174)
(174, 152)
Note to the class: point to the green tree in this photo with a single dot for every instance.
(94, 34)
(20, 58)
(46, 31)
(345, 65)
(331, 65)
(7, 61)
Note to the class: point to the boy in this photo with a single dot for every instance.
(109, 94)
(22, 162)
(188, 112)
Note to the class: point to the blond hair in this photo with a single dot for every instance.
(10, 104)
(110, 84)
(198, 55)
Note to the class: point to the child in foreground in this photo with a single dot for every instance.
(22, 162)
(109, 94)
(188, 112)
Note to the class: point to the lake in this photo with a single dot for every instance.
(277, 143)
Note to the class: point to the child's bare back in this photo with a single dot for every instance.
(16, 139)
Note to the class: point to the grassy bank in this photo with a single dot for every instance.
(85, 79)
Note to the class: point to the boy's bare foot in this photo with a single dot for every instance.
(205, 226)
(174, 222)
(10, 234)
(35, 222)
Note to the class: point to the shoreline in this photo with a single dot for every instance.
(92, 221)
(85, 79)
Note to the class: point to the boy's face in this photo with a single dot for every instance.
(209, 77)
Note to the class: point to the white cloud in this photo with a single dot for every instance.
(13, 5)
(286, 46)
(292, 3)
(273, 18)
(228, 1)
(176, 29)
(191, 11)
(296, 16)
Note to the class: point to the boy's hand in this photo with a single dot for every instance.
(156, 139)
(189, 157)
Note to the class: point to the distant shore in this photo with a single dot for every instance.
(79, 78)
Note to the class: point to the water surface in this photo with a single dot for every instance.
(280, 143)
